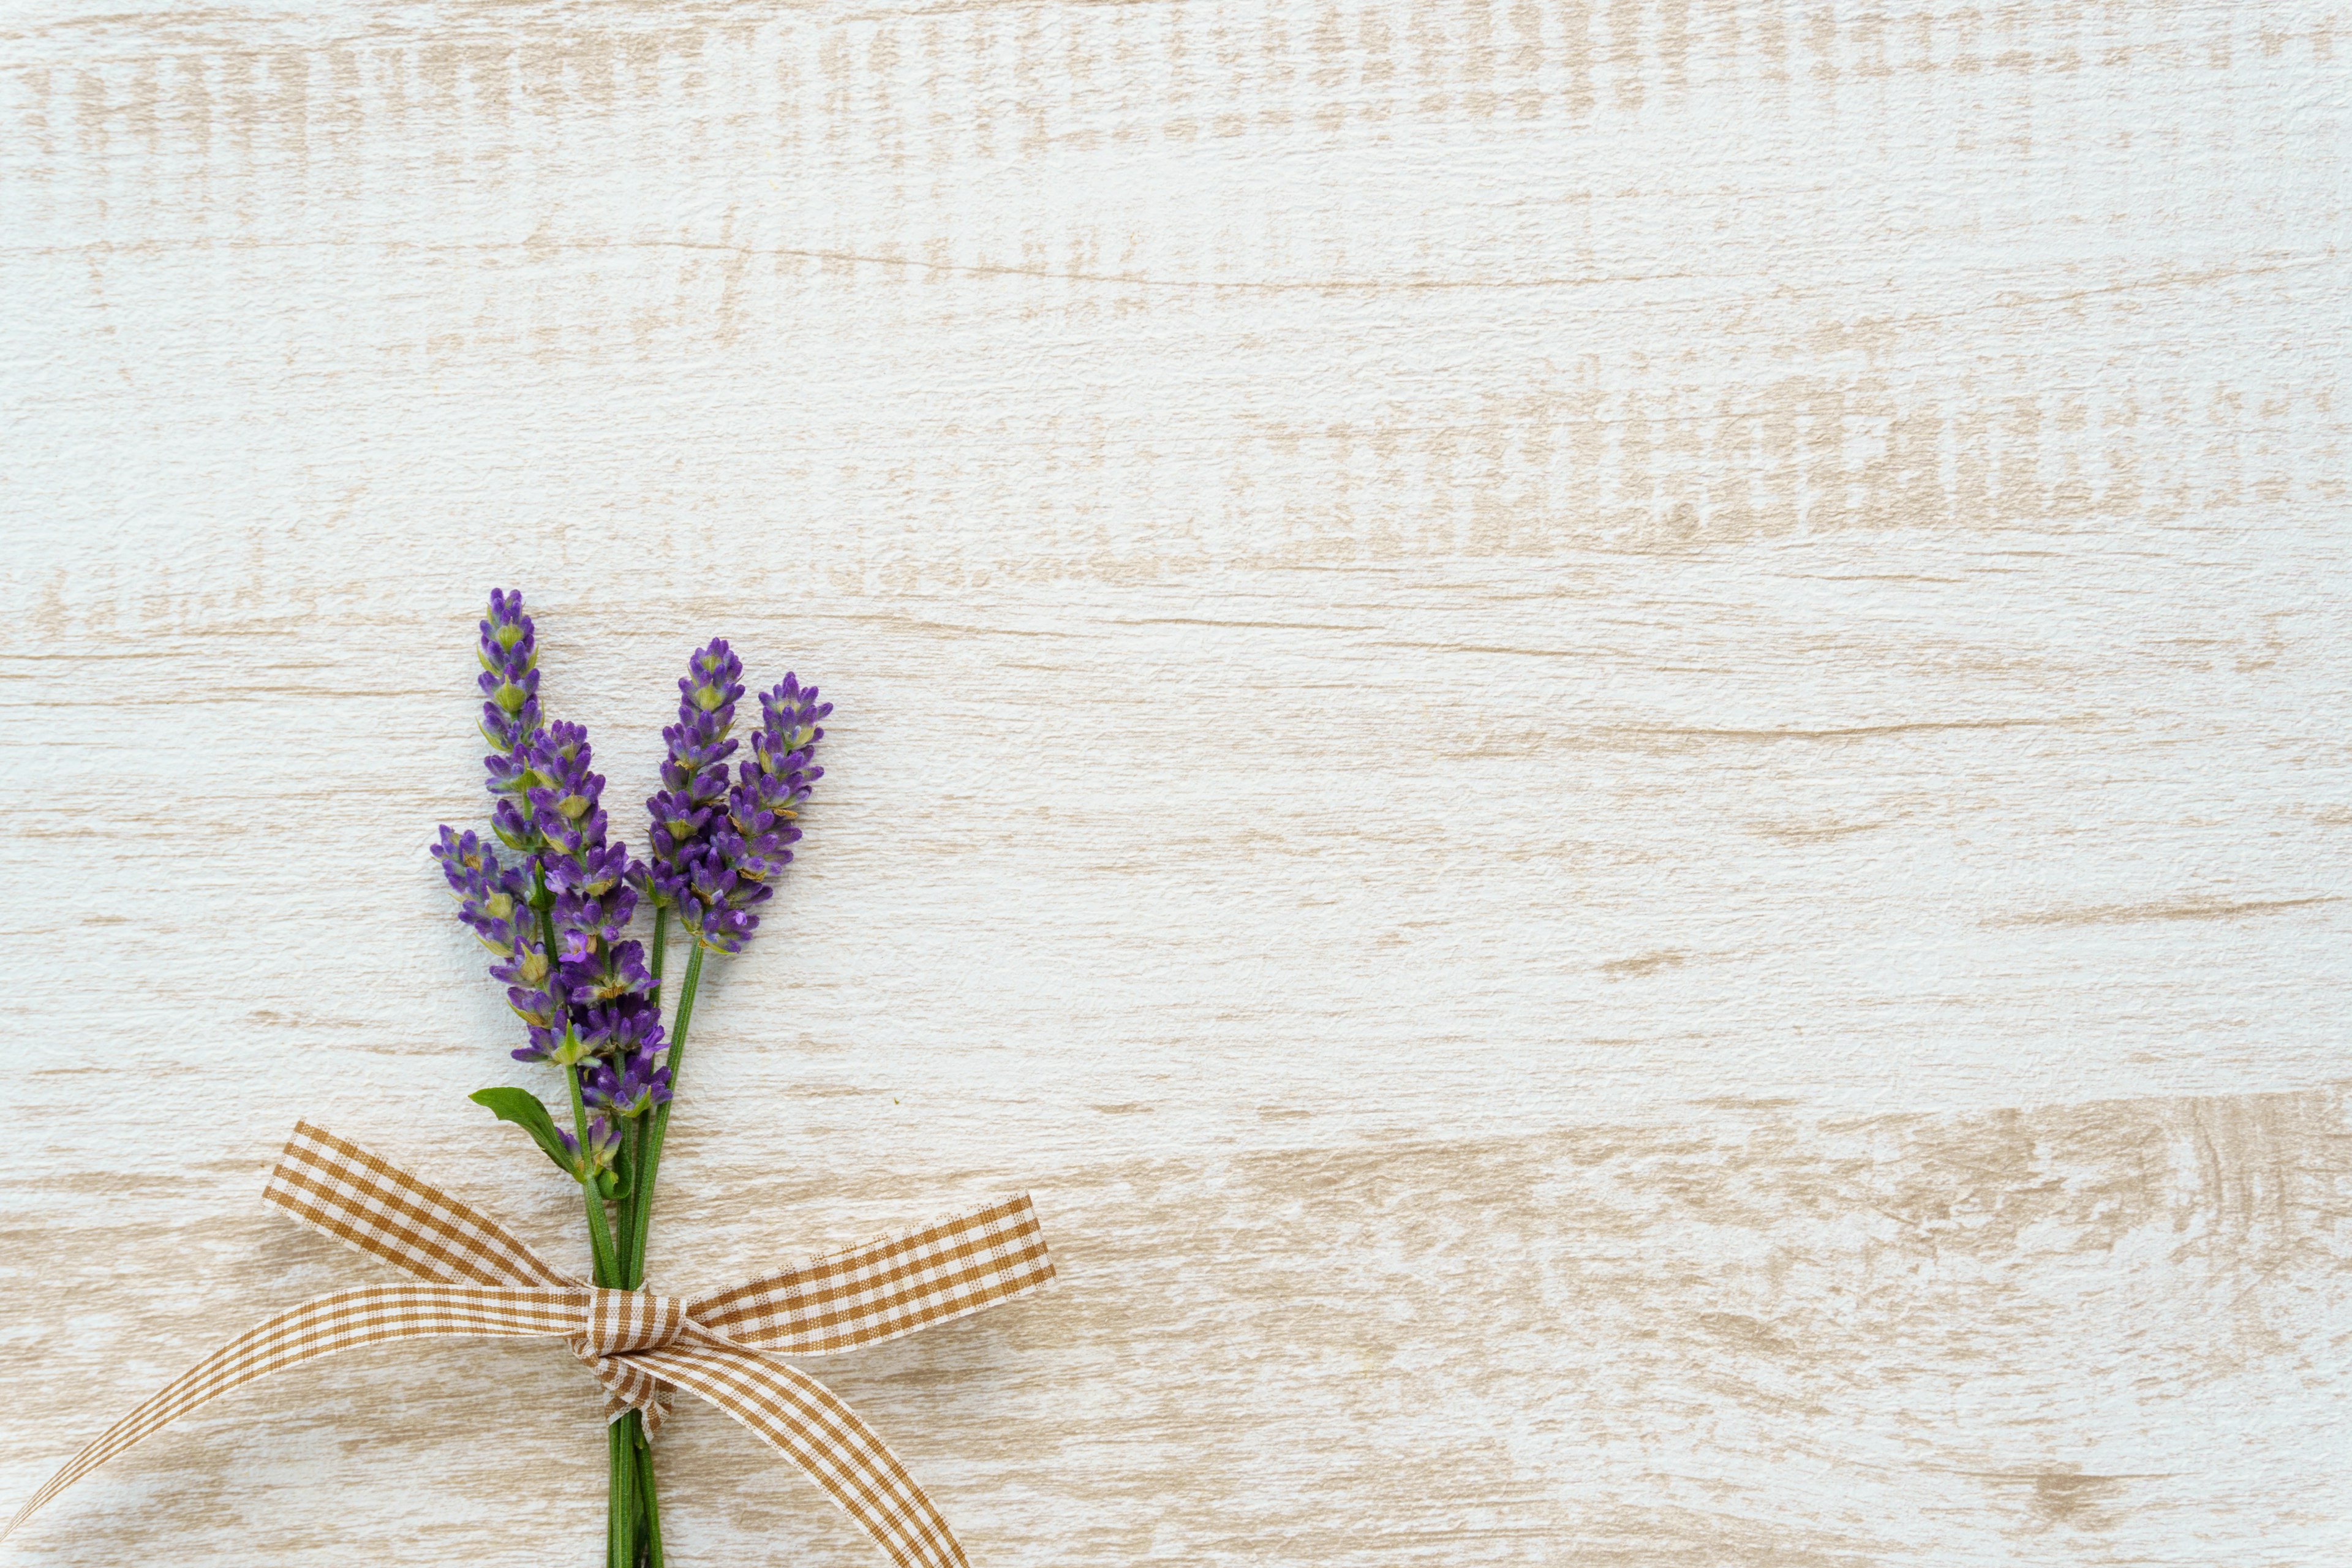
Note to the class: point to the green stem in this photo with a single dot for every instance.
(633, 1459)
(661, 951)
(649, 1506)
(626, 1267)
(633, 1246)
(600, 1229)
(628, 1424)
(641, 1208)
(616, 1522)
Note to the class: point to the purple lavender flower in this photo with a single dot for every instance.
(629, 1089)
(510, 718)
(716, 847)
(718, 900)
(753, 847)
(765, 802)
(559, 1047)
(789, 716)
(627, 1024)
(606, 973)
(591, 898)
(555, 915)
(494, 901)
(604, 1143)
(563, 799)
(593, 903)
(694, 775)
(510, 677)
(528, 968)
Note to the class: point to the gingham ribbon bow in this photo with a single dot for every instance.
(479, 1282)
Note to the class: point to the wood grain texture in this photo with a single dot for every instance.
(1608, 737)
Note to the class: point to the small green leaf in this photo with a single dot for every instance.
(523, 1109)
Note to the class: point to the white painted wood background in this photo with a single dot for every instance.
(1610, 738)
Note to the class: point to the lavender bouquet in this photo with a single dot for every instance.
(553, 899)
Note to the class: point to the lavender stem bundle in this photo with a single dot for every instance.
(554, 908)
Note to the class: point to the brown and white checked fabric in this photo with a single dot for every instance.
(885, 1289)
(480, 1282)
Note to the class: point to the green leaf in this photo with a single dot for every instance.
(522, 1107)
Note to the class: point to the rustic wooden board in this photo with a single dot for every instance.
(1610, 738)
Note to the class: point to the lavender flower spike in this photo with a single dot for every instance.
(509, 679)
(584, 993)
(594, 901)
(510, 718)
(693, 776)
(751, 846)
(716, 847)
(766, 801)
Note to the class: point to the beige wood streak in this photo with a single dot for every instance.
(1607, 737)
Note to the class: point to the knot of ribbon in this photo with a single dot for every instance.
(620, 1324)
(476, 1279)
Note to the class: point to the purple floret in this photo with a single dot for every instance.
(604, 1143)
(626, 1024)
(493, 899)
(608, 974)
(628, 1088)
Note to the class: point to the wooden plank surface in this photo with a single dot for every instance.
(1608, 737)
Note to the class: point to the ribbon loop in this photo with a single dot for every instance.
(865, 1295)
(339, 1189)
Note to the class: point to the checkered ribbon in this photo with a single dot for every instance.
(478, 1281)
